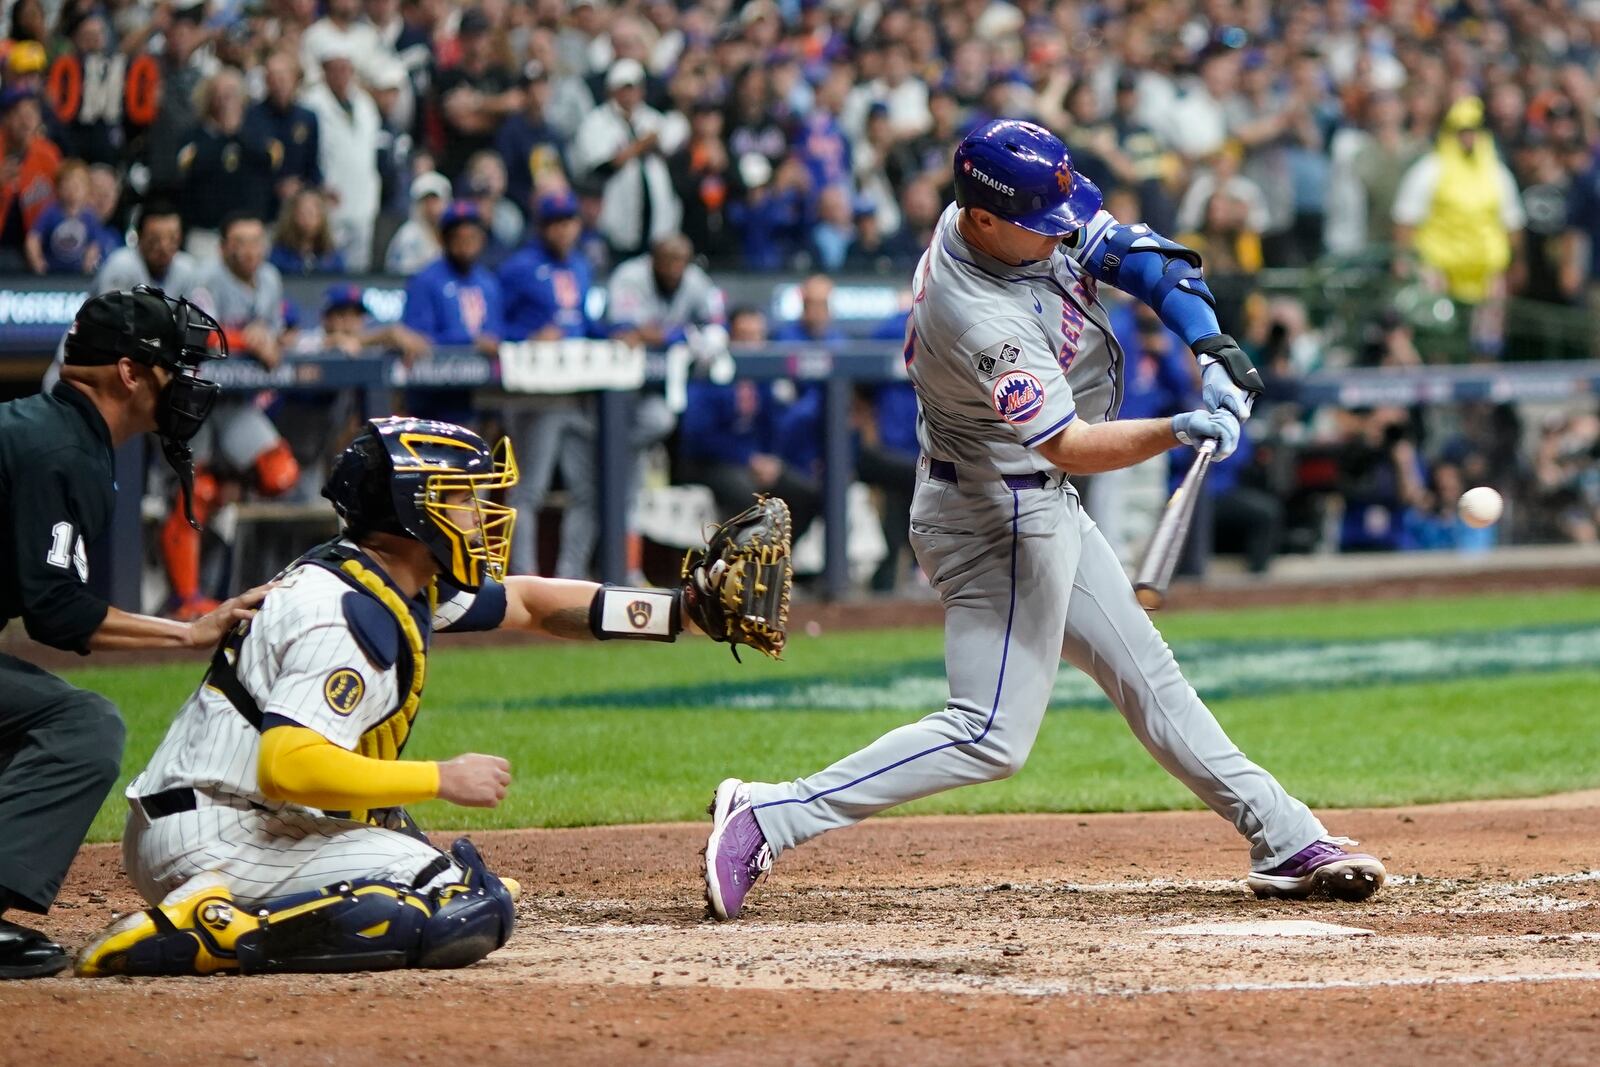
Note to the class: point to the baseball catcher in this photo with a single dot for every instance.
(269, 831)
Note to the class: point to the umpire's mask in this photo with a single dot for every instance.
(148, 326)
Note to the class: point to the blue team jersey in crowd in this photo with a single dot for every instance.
(540, 290)
(729, 423)
(454, 309)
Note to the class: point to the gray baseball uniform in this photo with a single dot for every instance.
(238, 430)
(1003, 358)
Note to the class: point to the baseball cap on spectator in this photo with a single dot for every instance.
(864, 205)
(387, 73)
(430, 184)
(1127, 82)
(194, 13)
(473, 20)
(556, 205)
(1464, 114)
(757, 9)
(334, 49)
(624, 72)
(461, 213)
(25, 57)
(10, 98)
(343, 298)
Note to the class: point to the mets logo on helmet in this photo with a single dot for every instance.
(1018, 396)
(1064, 177)
(639, 614)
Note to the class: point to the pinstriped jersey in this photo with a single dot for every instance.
(1003, 356)
(301, 661)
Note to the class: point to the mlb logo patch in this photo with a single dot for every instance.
(1018, 397)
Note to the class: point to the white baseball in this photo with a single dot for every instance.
(1480, 507)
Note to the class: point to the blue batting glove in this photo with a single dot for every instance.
(1194, 427)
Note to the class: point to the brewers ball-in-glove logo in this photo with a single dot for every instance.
(639, 614)
(343, 690)
(1018, 396)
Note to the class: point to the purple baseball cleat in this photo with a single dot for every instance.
(1322, 867)
(737, 852)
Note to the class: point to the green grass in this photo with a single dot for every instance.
(1519, 734)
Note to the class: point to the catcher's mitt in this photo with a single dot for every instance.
(736, 589)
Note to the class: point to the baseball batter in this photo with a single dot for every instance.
(267, 830)
(1018, 381)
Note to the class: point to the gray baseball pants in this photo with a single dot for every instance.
(1028, 580)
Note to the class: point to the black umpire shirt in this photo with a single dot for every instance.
(57, 490)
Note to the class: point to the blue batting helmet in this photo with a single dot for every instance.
(1023, 173)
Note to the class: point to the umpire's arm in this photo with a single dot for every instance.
(55, 519)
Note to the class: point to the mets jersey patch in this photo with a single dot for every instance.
(1018, 397)
(343, 690)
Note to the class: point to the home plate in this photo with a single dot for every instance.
(1267, 928)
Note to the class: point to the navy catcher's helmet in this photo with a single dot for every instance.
(428, 480)
(1022, 173)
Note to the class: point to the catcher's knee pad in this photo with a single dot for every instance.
(195, 930)
(277, 470)
(474, 917)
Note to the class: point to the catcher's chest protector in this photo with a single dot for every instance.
(374, 610)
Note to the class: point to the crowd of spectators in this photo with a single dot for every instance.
(573, 168)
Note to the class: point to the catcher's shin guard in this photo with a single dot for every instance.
(194, 931)
(359, 925)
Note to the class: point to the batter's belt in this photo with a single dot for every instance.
(944, 471)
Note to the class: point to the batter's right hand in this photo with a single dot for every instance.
(1193, 427)
(474, 780)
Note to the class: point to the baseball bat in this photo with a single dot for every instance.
(1161, 558)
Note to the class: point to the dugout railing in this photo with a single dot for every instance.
(839, 367)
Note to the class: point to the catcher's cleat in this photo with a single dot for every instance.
(193, 931)
(1322, 868)
(737, 853)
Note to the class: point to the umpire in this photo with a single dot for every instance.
(129, 369)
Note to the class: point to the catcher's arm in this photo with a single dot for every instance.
(559, 607)
(734, 590)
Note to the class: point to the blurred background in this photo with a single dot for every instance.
(666, 247)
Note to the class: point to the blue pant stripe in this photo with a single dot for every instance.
(994, 710)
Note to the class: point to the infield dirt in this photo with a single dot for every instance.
(1037, 939)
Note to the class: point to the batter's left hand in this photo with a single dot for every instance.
(1228, 380)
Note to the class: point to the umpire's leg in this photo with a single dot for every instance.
(60, 752)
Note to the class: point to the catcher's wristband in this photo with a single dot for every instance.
(636, 614)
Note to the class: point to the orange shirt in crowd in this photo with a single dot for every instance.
(28, 172)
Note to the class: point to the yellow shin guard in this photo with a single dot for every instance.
(193, 931)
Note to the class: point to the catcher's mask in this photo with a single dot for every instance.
(147, 326)
(429, 480)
